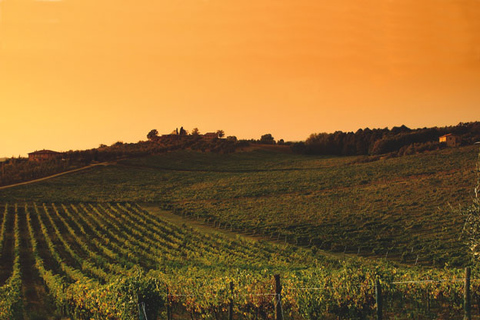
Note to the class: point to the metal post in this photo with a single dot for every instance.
(467, 296)
(141, 311)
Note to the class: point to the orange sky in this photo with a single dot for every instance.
(78, 73)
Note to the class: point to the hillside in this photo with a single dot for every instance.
(397, 207)
(394, 142)
(95, 243)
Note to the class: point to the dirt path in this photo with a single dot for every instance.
(7, 253)
(198, 224)
(37, 303)
(55, 175)
(209, 229)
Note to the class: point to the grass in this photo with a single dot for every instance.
(397, 207)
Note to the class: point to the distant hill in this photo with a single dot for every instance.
(398, 141)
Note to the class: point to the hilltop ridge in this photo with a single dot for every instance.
(375, 143)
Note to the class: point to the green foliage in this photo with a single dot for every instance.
(19, 170)
(152, 135)
(198, 268)
(472, 219)
(11, 299)
(398, 140)
(267, 139)
(395, 204)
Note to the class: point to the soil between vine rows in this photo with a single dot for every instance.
(7, 253)
(37, 304)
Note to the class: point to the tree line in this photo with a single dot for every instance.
(396, 141)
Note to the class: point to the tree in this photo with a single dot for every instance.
(152, 135)
(195, 132)
(267, 139)
(220, 133)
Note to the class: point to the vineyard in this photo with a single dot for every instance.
(398, 208)
(97, 244)
(117, 260)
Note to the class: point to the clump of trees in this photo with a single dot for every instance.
(152, 135)
(182, 139)
(398, 140)
(267, 139)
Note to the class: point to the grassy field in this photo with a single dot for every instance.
(398, 208)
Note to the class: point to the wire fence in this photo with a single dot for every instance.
(384, 307)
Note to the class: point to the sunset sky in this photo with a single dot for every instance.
(78, 73)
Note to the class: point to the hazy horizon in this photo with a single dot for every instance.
(76, 74)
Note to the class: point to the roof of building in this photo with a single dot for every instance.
(210, 134)
(448, 135)
(45, 152)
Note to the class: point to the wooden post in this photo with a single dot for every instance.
(467, 297)
(169, 307)
(230, 307)
(278, 298)
(378, 298)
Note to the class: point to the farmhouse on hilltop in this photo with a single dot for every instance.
(450, 140)
(43, 155)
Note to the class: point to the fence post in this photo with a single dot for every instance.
(378, 299)
(230, 307)
(466, 296)
(278, 298)
(169, 308)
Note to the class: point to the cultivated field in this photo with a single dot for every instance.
(86, 245)
(103, 261)
(398, 207)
